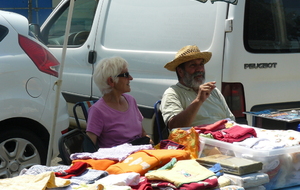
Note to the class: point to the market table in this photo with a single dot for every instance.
(278, 119)
(291, 188)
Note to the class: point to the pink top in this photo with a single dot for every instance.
(114, 127)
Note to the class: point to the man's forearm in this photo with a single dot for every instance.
(186, 117)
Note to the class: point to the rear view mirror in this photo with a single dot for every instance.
(35, 31)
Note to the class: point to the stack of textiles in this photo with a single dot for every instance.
(249, 181)
(133, 167)
(143, 167)
(241, 173)
(128, 169)
(278, 150)
(247, 136)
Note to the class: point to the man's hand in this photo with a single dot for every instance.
(187, 116)
(205, 90)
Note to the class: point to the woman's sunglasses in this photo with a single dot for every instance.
(126, 75)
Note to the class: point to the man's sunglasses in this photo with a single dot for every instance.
(126, 75)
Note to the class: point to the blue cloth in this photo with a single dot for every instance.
(217, 169)
(262, 112)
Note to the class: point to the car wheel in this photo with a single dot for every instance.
(20, 149)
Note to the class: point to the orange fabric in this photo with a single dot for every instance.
(145, 160)
(188, 138)
(98, 164)
(164, 156)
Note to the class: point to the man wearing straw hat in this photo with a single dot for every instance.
(192, 102)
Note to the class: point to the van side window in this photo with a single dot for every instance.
(272, 26)
(81, 24)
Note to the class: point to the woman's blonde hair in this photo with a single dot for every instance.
(108, 67)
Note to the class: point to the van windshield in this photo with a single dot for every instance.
(272, 26)
(81, 23)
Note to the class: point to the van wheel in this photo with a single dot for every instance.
(19, 149)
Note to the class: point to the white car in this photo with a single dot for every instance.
(28, 72)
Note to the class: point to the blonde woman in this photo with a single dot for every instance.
(115, 118)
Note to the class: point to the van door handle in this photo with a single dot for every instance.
(92, 57)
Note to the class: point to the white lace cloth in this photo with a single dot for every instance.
(118, 153)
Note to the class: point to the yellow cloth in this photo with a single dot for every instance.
(89, 187)
(188, 138)
(184, 171)
(223, 181)
(33, 182)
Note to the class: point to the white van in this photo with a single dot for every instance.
(255, 46)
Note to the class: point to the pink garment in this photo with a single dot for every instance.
(218, 125)
(146, 184)
(114, 127)
(143, 184)
(168, 144)
(234, 134)
(209, 183)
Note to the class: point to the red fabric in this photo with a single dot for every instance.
(219, 125)
(159, 184)
(75, 170)
(205, 184)
(102, 164)
(168, 144)
(146, 184)
(273, 173)
(234, 134)
(238, 131)
(143, 184)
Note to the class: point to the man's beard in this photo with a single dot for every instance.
(191, 81)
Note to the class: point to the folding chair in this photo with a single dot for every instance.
(85, 105)
(76, 140)
(162, 129)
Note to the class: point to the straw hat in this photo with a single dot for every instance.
(186, 54)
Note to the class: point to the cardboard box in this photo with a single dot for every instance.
(282, 165)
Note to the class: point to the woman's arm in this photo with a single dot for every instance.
(92, 136)
(145, 134)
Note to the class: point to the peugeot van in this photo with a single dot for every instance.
(255, 47)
